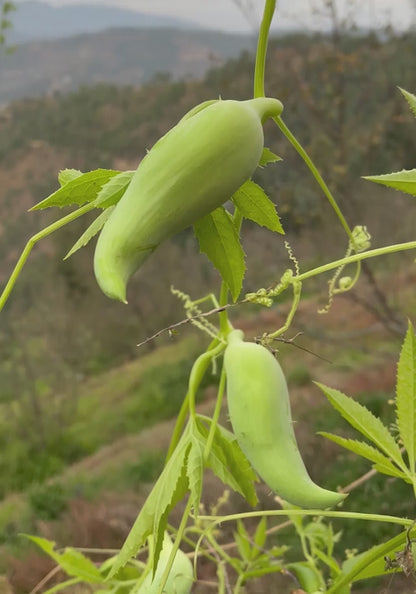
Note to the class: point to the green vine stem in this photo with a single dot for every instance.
(217, 547)
(215, 416)
(259, 91)
(197, 373)
(297, 291)
(313, 169)
(260, 66)
(216, 520)
(225, 326)
(305, 548)
(239, 584)
(31, 243)
(389, 249)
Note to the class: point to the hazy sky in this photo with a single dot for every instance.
(225, 14)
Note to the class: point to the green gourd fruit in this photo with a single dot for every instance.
(189, 172)
(181, 576)
(259, 408)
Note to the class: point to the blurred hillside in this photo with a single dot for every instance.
(58, 330)
(123, 56)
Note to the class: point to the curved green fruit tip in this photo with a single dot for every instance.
(266, 107)
(115, 285)
(306, 494)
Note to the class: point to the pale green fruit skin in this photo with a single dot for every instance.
(181, 576)
(193, 169)
(259, 407)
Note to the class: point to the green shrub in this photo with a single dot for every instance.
(145, 470)
(48, 501)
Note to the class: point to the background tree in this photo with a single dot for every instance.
(6, 8)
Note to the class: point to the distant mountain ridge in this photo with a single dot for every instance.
(118, 56)
(36, 20)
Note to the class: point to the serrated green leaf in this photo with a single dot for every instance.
(386, 469)
(242, 541)
(129, 571)
(73, 562)
(268, 569)
(47, 546)
(218, 464)
(241, 530)
(91, 231)
(113, 190)
(404, 181)
(67, 175)
(367, 564)
(406, 395)
(219, 240)
(410, 98)
(254, 204)
(260, 534)
(229, 463)
(160, 526)
(170, 488)
(236, 563)
(80, 190)
(359, 417)
(244, 476)
(328, 560)
(366, 451)
(276, 551)
(195, 469)
(375, 569)
(267, 157)
(320, 535)
(261, 562)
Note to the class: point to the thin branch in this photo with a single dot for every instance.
(187, 321)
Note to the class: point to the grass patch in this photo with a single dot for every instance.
(136, 396)
(122, 401)
(49, 502)
(128, 475)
